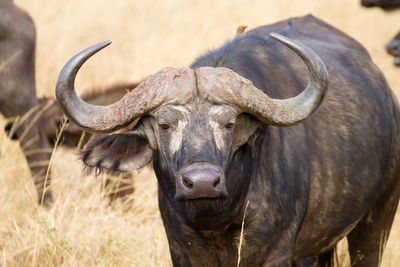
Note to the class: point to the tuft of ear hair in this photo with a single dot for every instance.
(116, 153)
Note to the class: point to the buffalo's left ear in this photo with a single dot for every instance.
(117, 152)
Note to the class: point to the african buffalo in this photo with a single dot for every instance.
(385, 4)
(393, 48)
(236, 135)
(18, 93)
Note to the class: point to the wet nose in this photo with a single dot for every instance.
(201, 183)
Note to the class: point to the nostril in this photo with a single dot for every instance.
(217, 181)
(187, 182)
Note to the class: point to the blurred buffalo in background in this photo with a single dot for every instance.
(18, 94)
(393, 47)
(385, 4)
(35, 122)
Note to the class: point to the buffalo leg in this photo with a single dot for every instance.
(37, 151)
(368, 239)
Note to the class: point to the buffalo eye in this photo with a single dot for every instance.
(164, 126)
(229, 125)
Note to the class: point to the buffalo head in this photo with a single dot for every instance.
(192, 121)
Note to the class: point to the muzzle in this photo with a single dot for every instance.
(200, 180)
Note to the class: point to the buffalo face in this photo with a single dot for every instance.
(193, 148)
(191, 141)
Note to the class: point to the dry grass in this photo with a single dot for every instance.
(81, 229)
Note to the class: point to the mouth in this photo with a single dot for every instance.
(204, 203)
(204, 213)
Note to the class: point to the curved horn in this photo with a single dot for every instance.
(248, 98)
(90, 117)
(296, 109)
(154, 91)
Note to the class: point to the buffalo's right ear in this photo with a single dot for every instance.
(117, 152)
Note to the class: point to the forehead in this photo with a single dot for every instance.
(192, 92)
(196, 109)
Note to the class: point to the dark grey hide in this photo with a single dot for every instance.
(308, 185)
(17, 90)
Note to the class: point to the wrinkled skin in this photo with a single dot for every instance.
(17, 90)
(393, 48)
(307, 186)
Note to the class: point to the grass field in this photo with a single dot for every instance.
(81, 228)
